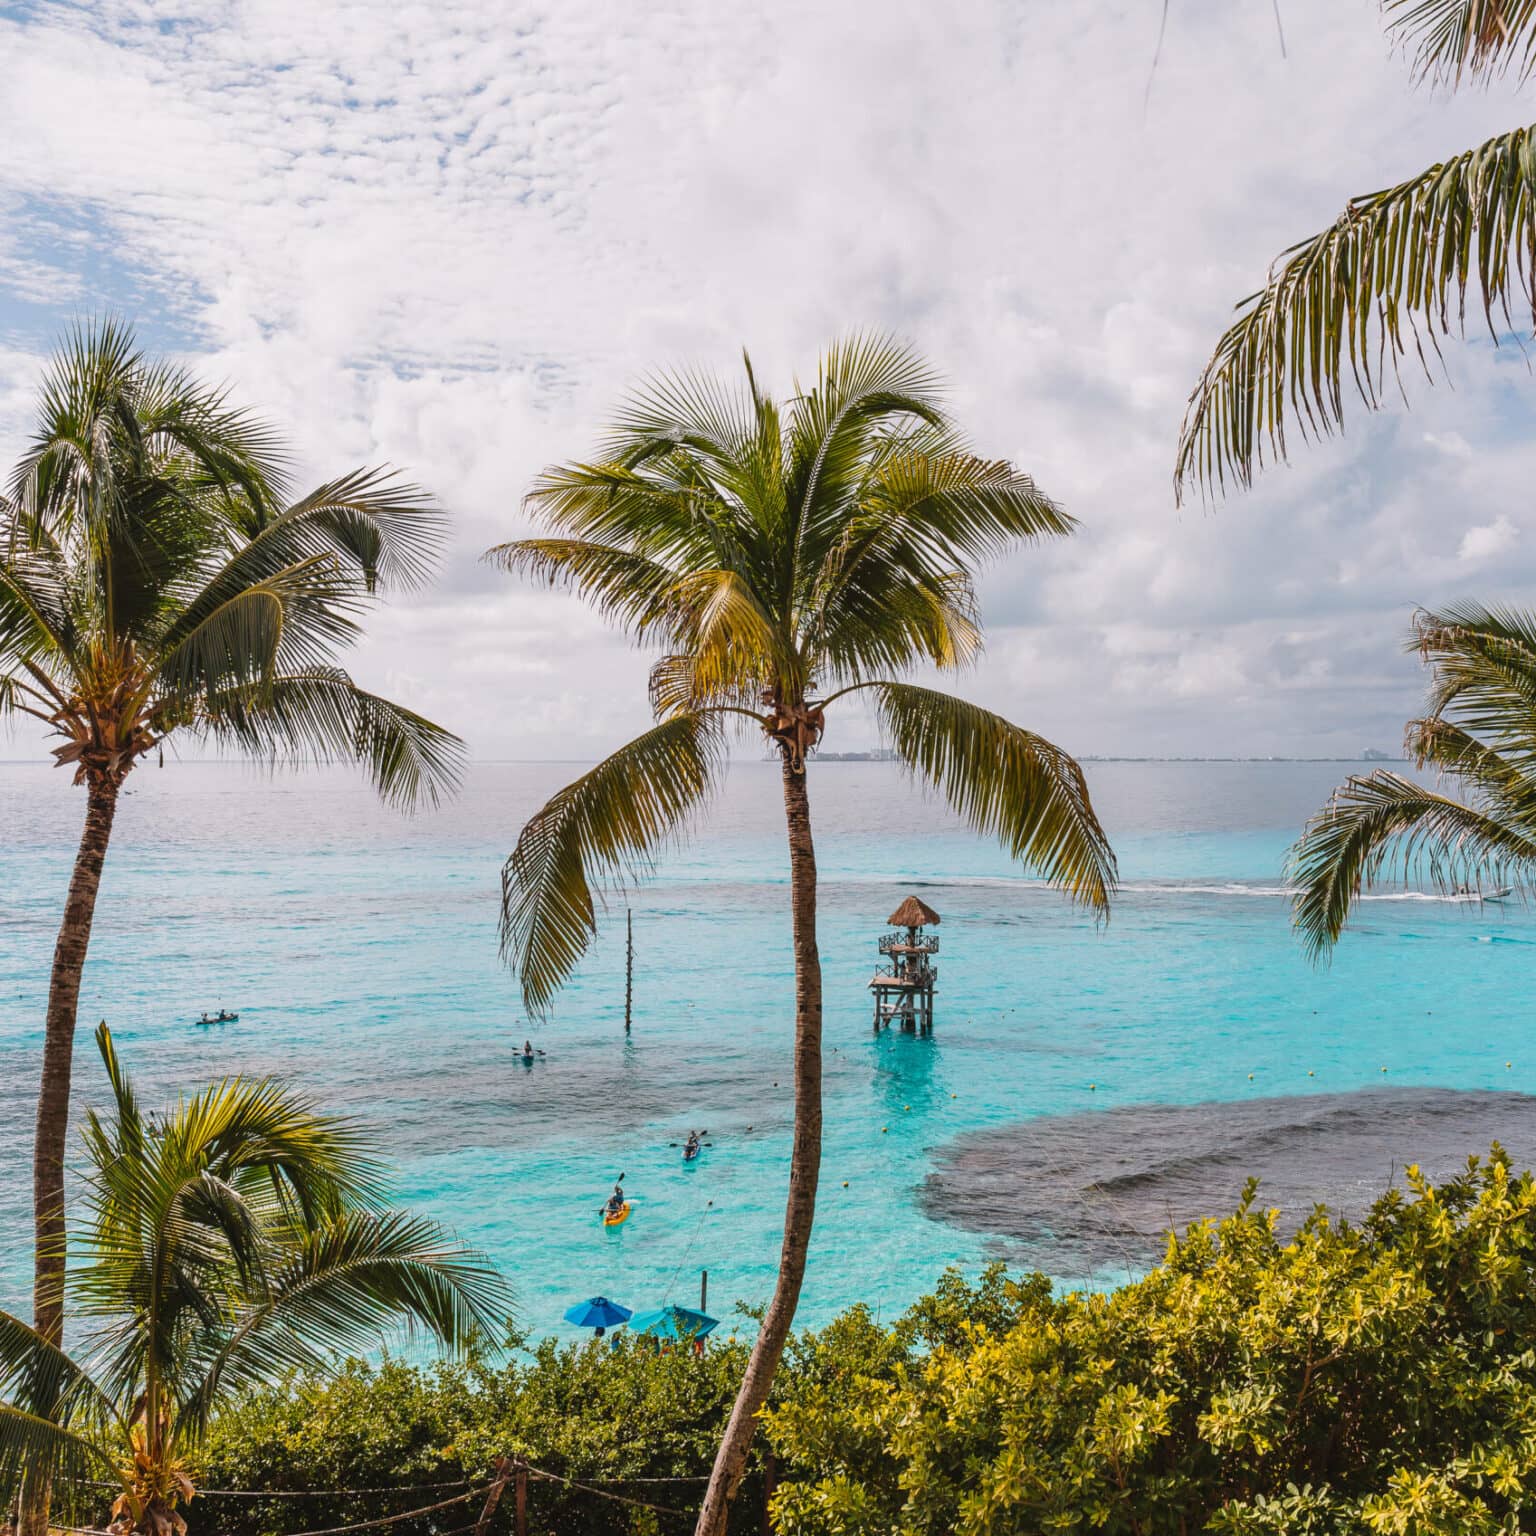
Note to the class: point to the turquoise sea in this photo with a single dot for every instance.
(360, 950)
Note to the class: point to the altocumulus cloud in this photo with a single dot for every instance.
(448, 236)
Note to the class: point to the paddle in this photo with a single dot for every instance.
(602, 1210)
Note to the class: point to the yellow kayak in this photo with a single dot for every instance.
(620, 1219)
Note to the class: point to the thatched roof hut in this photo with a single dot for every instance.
(913, 913)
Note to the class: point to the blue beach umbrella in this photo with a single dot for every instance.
(597, 1312)
(674, 1323)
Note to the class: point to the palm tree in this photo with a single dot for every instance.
(156, 583)
(1345, 306)
(237, 1236)
(785, 559)
(1479, 732)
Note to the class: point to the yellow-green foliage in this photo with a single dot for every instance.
(1372, 1379)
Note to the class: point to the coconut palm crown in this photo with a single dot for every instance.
(1479, 733)
(237, 1236)
(1339, 311)
(785, 559)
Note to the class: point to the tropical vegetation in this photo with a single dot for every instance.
(159, 582)
(785, 558)
(233, 1238)
(1339, 311)
(1353, 1379)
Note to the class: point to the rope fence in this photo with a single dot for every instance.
(511, 1472)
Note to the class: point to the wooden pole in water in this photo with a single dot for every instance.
(629, 965)
(703, 1290)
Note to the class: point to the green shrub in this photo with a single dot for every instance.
(627, 1417)
(1372, 1379)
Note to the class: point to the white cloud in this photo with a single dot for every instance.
(446, 237)
(1487, 541)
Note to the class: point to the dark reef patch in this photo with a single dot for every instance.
(1088, 1194)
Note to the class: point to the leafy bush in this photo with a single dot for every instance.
(626, 1417)
(1375, 1380)
(1371, 1379)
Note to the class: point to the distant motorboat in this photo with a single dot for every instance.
(1500, 894)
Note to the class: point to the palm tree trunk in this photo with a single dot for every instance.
(804, 1168)
(53, 1096)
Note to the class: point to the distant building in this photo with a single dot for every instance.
(1371, 755)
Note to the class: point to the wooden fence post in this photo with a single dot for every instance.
(502, 1469)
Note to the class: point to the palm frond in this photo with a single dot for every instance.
(295, 618)
(1344, 307)
(607, 825)
(35, 1447)
(865, 382)
(35, 622)
(660, 511)
(346, 1282)
(53, 1416)
(1006, 782)
(109, 417)
(389, 528)
(895, 614)
(322, 716)
(1450, 38)
(1484, 662)
(632, 590)
(733, 645)
(1383, 820)
(961, 507)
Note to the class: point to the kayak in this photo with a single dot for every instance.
(223, 1018)
(689, 1153)
(620, 1219)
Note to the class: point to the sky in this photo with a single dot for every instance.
(449, 237)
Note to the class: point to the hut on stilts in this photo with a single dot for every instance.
(904, 992)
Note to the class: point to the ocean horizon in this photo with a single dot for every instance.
(359, 948)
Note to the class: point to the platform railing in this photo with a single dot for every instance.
(928, 944)
(925, 975)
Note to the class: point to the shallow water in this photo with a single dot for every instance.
(360, 950)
